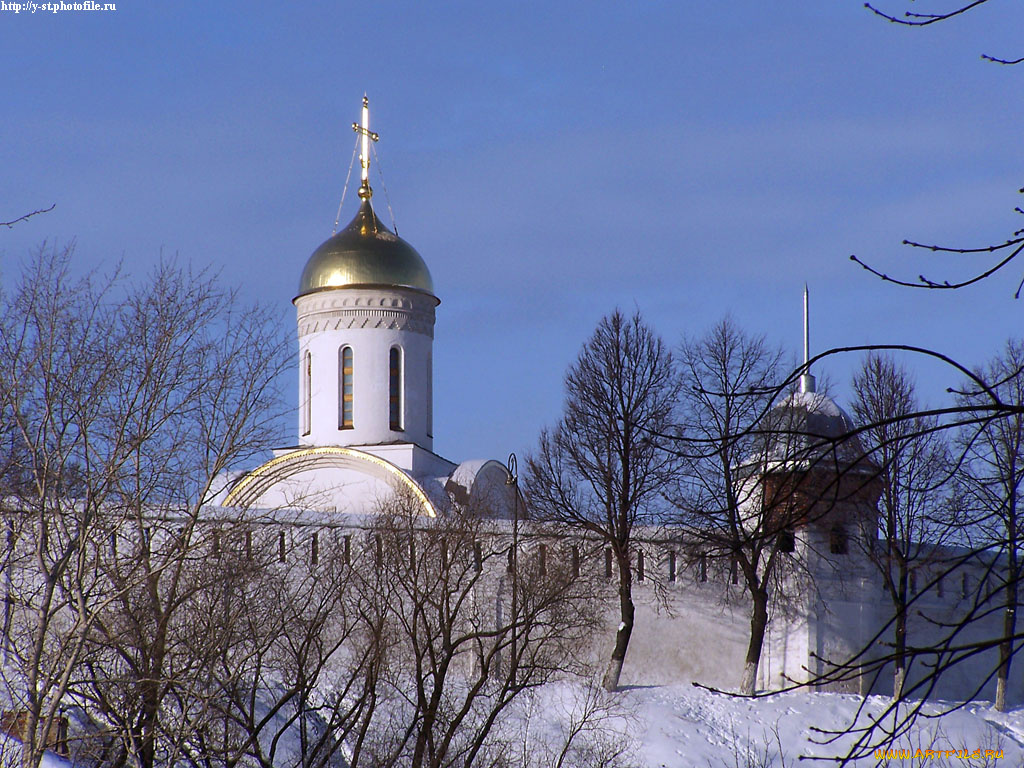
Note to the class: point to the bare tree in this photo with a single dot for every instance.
(981, 409)
(173, 630)
(991, 486)
(292, 679)
(915, 517)
(730, 380)
(128, 401)
(922, 18)
(197, 388)
(390, 642)
(1005, 250)
(600, 470)
(960, 634)
(58, 365)
(591, 730)
(460, 656)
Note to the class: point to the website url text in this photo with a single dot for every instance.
(57, 7)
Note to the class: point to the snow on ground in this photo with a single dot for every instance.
(678, 726)
(685, 726)
(10, 755)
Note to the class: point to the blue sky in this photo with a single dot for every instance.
(550, 161)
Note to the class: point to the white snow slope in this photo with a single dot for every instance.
(685, 726)
(10, 755)
(681, 726)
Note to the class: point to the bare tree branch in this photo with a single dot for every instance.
(10, 224)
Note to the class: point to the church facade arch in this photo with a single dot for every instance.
(248, 490)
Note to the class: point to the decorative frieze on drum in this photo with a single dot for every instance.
(346, 319)
(337, 313)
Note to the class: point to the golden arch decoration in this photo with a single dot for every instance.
(247, 490)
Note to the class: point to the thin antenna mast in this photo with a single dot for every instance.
(806, 379)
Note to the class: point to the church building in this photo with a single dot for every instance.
(366, 304)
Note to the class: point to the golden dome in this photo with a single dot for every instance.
(365, 254)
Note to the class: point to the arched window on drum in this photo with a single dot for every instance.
(396, 394)
(345, 391)
(307, 393)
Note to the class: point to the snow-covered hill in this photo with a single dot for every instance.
(681, 726)
(671, 726)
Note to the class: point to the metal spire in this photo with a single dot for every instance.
(806, 379)
(807, 328)
(363, 129)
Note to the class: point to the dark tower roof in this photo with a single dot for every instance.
(805, 428)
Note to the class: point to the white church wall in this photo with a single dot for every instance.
(836, 634)
(690, 630)
(686, 629)
(413, 459)
(318, 489)
(372, 322)
(788, 653)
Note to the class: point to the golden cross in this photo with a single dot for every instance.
(364, 156)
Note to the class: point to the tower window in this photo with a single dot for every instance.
(395, 389)
(787, 541)
(345, 388)
(837, 542)
(307, 391)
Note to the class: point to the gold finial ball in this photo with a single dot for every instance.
(365, 192)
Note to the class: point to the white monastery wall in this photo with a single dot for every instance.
(690, 629)
(694, 630)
